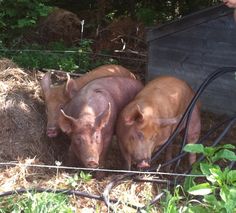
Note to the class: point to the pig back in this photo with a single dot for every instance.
(104, 71)
(121, 89)
(169, 96)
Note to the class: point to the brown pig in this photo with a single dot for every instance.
(147, 122)
(57, 96)
(89, 117)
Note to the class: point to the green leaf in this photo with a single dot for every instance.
(216, 176)
(25, 22)
(212, 201)
(231, 176)
(76, 177)
(196, 208)
(216, 171)
(85, 176)
(224, 154)
(210, 198)
(228, 146)
(188, 182)
(232, 192)
(194, 148)
(205, 168)
(224, 193)
(201, 189)
(209, 151)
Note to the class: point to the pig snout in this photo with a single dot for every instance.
(52, 132)
(143, 164)
(92, 163)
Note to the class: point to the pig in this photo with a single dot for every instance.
(231, 4)
(89, 117)
(57, 96)
(151, 117)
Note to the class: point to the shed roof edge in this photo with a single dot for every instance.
(187, 22)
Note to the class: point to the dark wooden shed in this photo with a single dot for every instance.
(193, 47)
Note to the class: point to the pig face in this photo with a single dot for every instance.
(86, 133)
(54, 102)
(143, 134)
(55, 98)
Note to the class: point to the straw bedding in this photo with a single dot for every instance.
(22, 116)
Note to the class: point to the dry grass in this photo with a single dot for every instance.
(6, 63)
(23, 118)
(21, 176)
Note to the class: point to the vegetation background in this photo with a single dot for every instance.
(111, 29)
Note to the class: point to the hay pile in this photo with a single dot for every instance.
(22, 117)
(6, 63)
(60, 25)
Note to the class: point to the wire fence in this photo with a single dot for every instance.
(25, 165)
(141, 54)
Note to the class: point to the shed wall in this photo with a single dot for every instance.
(193, 54)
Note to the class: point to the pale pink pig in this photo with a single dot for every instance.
(89, 117)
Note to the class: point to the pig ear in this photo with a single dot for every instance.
(167, 121)
(70, 87)
(135, 116)
(102, 118)
(46, 82)
(66, 122)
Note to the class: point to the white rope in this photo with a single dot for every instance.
(97, 169)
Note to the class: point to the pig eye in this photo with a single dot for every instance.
(96, 135)
(137, 137)
(78, 139)
(132, 138)
(140, 135)
(60, 106)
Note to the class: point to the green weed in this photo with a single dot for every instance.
(82, 176)
(36, 203)
(216, 192)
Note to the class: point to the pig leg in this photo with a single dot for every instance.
(194, 131)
